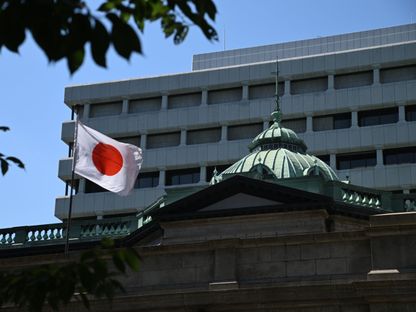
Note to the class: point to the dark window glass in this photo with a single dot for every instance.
(244, 131)
(353, 80)
(210, 170)
(91, 187)
(309, 85)
(330, 122)
(396, 156)
(147, 179)
(298, 125)
(342, 121)
(203, 136)
(378, 117)
(324, 158)
(395, 74)
(183, 176)
(135, 140)
(163, 140)
(411, 113)
(350, 161)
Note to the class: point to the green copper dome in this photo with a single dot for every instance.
(281, 163)
(277, 153)
(277, 137)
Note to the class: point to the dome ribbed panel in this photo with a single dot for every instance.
(282, 162)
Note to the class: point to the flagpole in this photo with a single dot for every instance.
(74, 155)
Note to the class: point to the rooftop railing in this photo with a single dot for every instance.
(45, 234)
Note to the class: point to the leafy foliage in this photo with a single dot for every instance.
(55, 285)
(63, 28)
(6, 160)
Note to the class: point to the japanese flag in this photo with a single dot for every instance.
(110, 164)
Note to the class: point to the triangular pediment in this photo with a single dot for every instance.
(240, 200)
(238, 195)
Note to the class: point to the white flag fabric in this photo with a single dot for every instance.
(110, 164)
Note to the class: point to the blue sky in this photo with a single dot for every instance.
(32, 90)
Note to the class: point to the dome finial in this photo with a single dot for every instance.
(276, 115)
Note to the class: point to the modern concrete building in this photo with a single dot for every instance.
(351, 98)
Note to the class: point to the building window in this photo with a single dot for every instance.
(203, 136)
(396, 74)
(298, 125)
(265, 91)
(331, 122)
(356, 160)
(163, 140)
(91, 187)
(145, 105)
(183, 176)
(411, 113)
(147, 179)
(184, 100)
(210, 170)
(135, 140)
(106, 109)
(324, 158)
(353, 80)
(309, 85)
(378, 117)
(224, 96)
(241, 132)
(395, 156)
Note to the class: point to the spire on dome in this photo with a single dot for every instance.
(277, 115)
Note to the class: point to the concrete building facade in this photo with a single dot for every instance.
(351, 98)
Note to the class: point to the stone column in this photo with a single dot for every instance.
(86, 112)
(331, 82)
(162, 177)
(164, 101)
(183, 137)
(333, 160)
(204, 97)
(245, 91)
(309, 122)
(379, 153)
(125, 108)
(376, 74)
(143, 141)
(287, 87)
(224, 131)
(81, 186)
(203, 174)
(402, 112)
(354, 119)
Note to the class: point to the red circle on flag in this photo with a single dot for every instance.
(107, 159)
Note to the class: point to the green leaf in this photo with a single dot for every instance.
(100, 42)
(75, 60)
(17, 161)
(4, 166)
(119, 263)
(132, 259)
(106, 7)
(124, 38)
